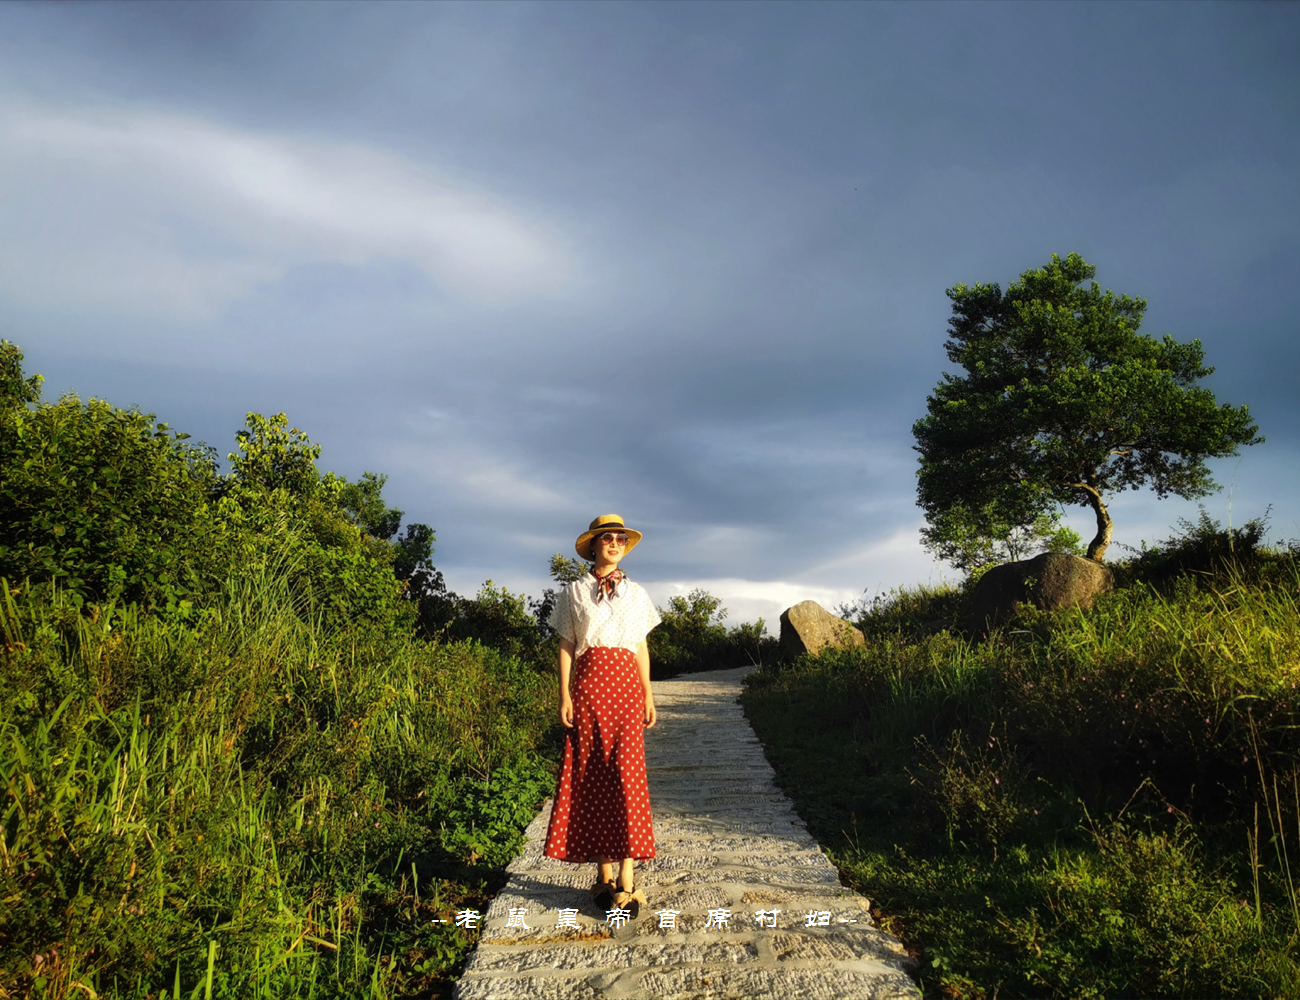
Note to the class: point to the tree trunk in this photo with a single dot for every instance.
(1097, 547)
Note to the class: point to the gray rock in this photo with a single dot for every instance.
(1050, 581)
(809, 628)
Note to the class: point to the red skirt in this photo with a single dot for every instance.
(602, 809)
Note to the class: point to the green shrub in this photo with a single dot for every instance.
(500, 619)
(308, 798)
(114, 507)
(229, 768)
(276, 509)
(912, 613)
(1065, 808)
(691, 638)
(1130, 913)
(107, 502)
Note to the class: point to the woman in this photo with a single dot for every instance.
(602, 809)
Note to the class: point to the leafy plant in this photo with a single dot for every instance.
(297, 794)
(974, 543)
(108, 502)
(692, 637)
(1062, 402)
(229, 768)
(1086, 804)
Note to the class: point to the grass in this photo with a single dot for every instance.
(1100, 803)
(242, 803)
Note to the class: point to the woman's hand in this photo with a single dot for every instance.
(564, 664)
(643, 669)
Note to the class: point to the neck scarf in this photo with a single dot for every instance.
(607, 585)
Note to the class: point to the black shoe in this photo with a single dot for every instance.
(602, 894)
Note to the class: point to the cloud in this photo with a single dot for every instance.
(750, 600)
(174, 217)
(463, 461)
(878, 564)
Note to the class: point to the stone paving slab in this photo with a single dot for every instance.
(726, 838)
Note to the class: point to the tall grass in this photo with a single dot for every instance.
(242, 803)
(1097, 803)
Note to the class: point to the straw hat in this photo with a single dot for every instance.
(602, 524)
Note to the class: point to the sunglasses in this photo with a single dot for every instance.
(612, 536)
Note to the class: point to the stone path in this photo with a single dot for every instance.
(726, 839)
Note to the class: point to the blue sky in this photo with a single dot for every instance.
(681, 261)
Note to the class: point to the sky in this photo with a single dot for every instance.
(683, 262)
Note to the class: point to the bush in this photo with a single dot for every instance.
(229, 767)
(307, 799)
(500, 619)
(107, 502)
(692, 637)
(114, 507)
(913, 613)
(276, 509)
(1200, 546)
(1060, 810)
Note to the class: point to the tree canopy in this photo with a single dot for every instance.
(110, 505)
(1063, 401)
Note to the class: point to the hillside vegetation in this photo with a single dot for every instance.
(232, 765)
(1085, 804)
(250, 743)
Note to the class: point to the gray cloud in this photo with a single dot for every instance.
(685, 262)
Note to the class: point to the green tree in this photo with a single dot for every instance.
(691, 635)
(107, 503)
(970, 543)
(110, 505)
(1063, 402)
(363, 502)
(566, 570)
(272, 455)
(563, 570)
(16, 391)
(500, 619)
(696, 617)
(277, 506)
(412, 560)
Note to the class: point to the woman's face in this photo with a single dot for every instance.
(608, 549)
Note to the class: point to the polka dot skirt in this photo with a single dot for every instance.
(602, 808)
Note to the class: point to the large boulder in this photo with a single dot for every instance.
(809, 628)
(1049, 581)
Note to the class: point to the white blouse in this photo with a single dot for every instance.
(620, 622)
